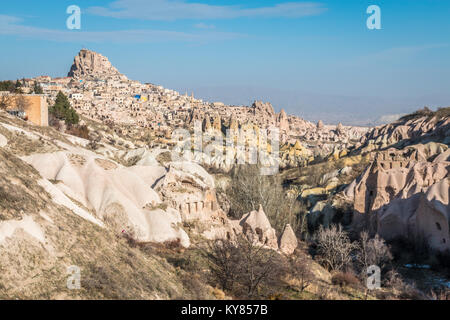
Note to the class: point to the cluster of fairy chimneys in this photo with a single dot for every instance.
(216, 124)
(262, 115)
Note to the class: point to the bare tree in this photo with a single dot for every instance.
(223, 257)
(242, 264)
(21, 103)
(258, 265)
(373, 252)
(5, 102)
(364, 251)
(300, 268)
(440, 294)
(334, 248)
(249, 189)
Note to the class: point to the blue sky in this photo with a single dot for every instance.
(317, 60)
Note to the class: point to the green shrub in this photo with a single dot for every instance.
(62, 110)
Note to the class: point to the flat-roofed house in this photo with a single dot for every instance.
(35, 107)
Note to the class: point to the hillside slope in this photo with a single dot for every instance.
(42, 232)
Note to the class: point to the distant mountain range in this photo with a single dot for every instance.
(332, 109)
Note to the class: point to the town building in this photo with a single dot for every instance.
(31, 107)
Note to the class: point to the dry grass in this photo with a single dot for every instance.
(425, 112)
(19, 192)
(164, 157)
(345, 279)
(110, 267)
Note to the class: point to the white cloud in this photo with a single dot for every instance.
(6, 20)
(180, 9)
(10, 25)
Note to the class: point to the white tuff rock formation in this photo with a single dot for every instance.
(408, 192)
(256, 227)
(288, 240)
(3, 141)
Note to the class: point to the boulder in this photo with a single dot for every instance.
(321, 213)
(288, 240)
(256, 227)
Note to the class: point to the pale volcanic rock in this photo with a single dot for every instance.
(407, 131)
(119, 100)
(190, 189)
(145, 156)
(234, 125)
(97, 90)
(294, 155)
(187, 172)
(150, 174)
(426, 215)
(217, 123)
(264, 109)
(320, 125)
(321, 213)
(3, 141)
(27, 224)
(408, 191)
(444, 156)
(335, 174)
(90, 64)
(207, 124)
(256, 227)
(121, 197)
(282, 121)
(60, 197)
(162, 227)
(195, 115)
(288, 240)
